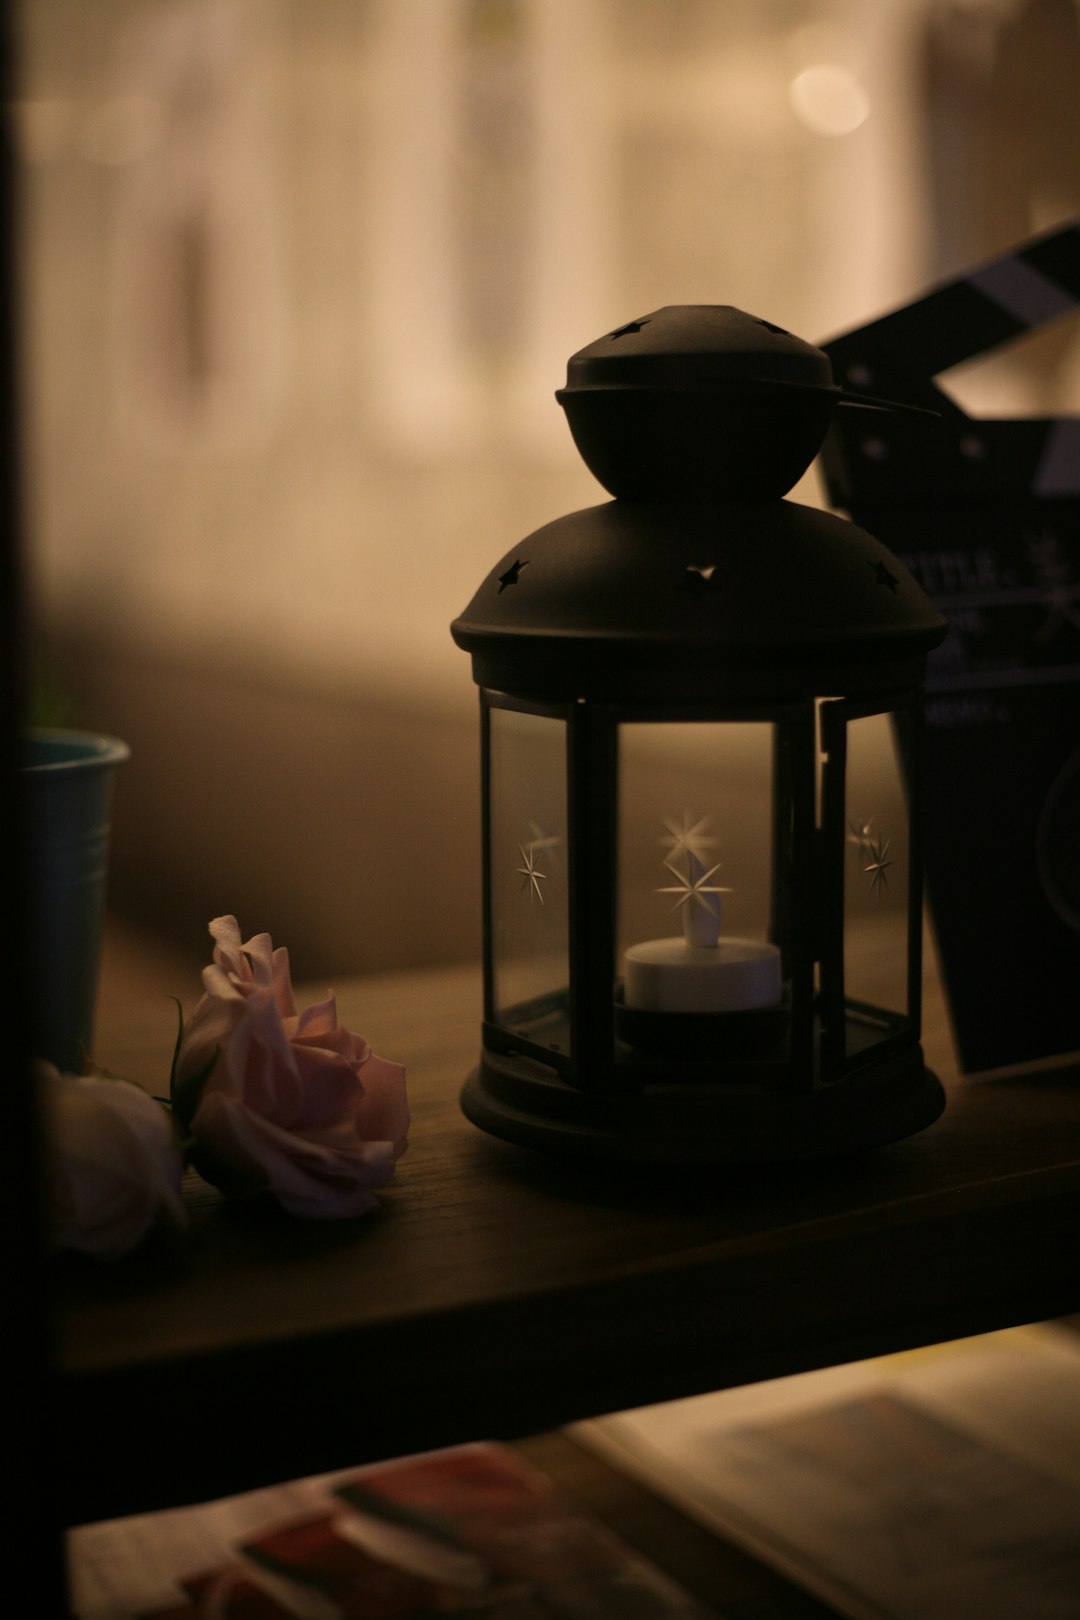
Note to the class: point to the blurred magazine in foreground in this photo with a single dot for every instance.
(939, 1484)
(469, 1531)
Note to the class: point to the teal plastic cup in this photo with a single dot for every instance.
(67, 779)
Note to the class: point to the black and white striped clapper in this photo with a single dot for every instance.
(875, 457)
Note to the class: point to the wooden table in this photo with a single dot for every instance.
(499, 1294)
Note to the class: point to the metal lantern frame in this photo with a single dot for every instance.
(596, 1095)
(700, 595)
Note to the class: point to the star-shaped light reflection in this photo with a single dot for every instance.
(539, 839)
(691, 888)
(860, 833)
(688, 836)
(530, 873)
(877, 869)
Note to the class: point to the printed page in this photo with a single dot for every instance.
(940, 1483)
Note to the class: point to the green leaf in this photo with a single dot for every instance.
(177, 1043)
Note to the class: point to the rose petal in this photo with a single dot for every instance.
(317, 1179)
(219, 1029)
(114, 1165)
(330, 1089)
(262, 1067)
(339, 1040)
(294, 1095)
(318, 1025)
(259, 953)
(384, 1113)
(217, 982)
(228, 950)
(320, 1018)
(225, 932)
(283, 990)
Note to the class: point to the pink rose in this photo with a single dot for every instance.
(291, 1102)
(114, 1164)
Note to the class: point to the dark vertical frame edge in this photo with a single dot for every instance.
(34, 1543)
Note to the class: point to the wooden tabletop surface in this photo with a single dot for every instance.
(496, 1293)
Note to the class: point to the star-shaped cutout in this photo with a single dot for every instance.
(629, 328)
(512, 575)
(530, 873)
(882, 576)
(690, 888)
(877, 870)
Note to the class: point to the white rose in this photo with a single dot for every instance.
(114, 1166)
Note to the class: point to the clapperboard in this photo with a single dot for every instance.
(985, 512)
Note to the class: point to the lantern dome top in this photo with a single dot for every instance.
(668, 601)
(701, 400)
(707, 344)
(698, 583)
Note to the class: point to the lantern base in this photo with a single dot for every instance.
(520, 1101)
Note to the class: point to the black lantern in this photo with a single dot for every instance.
(702, 777)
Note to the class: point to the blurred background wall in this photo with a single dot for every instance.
(301, 277)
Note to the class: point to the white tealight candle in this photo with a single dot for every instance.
(671, 975)
(704, 971)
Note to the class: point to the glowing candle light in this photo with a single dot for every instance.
(702, 970)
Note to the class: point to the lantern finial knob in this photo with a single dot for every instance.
(701, 402)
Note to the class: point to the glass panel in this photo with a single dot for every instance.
(875, 883)
(696, 843)
(529, 901)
